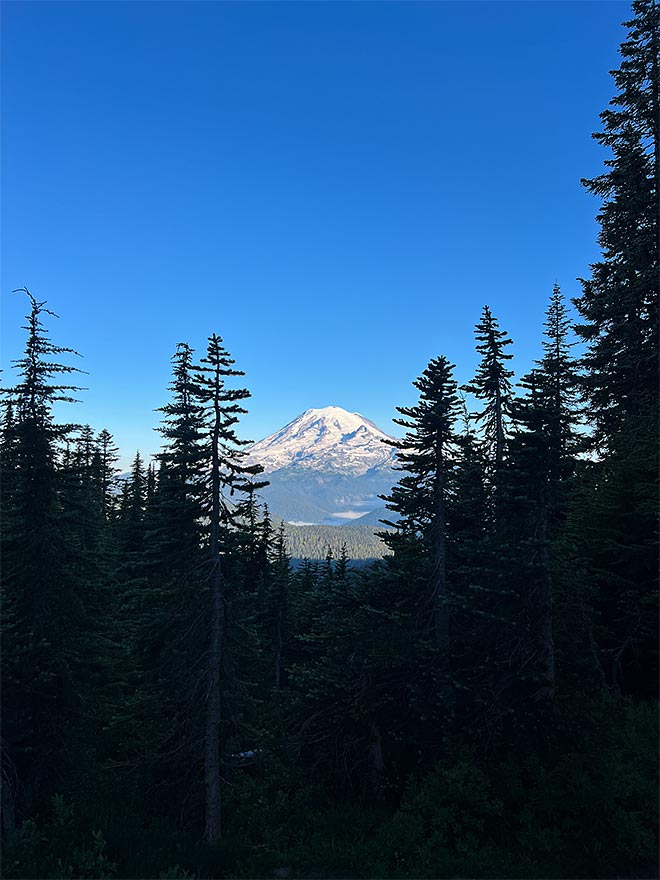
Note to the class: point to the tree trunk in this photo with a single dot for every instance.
(439, 580)
(439, 576)
(213, 707)
(545, 635)
(499, 458)
(278, 649)
(598, 676)
(8, 821)
(377, 764)
(499, 432)
(212, 739)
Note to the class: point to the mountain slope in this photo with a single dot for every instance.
(325, 439)
(326, 466)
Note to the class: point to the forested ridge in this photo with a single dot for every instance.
(360, 543)
(179, 701)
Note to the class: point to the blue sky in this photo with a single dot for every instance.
(334, 188)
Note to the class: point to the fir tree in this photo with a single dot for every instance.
(619, 302)
(108, 456)
(492, 386)
(165, 598)
(420, 498)
(227, 475)
(46, 620)
(619, 311)
(177, 537)
(132, 509)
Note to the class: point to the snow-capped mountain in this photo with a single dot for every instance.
(326, 466)
(325, 439)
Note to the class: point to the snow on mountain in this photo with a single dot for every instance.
(326, 439)
(327, 466)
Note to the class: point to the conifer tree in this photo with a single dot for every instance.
(619, 311)
(420, 498)
(492, 386)
(619, 302)
(557, 380)
(545, 463)
(227, 475)
(533, 493)
(45, 616)
(130, 529)
(166, 606)
(108, 456)
(279, 602)
(177, 539)
(132, 508)
(527, 487)
(274, 588)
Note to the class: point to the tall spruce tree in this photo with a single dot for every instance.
(46, 623)
(546, 445)
(556, 377)
(527, 488)
(619, 311)
(227, 474)
(420, 497)
(132, 509)
(167, 607)
(492, 386)
(108, 456)
(619, 303)
(517, 598)
(180, 482)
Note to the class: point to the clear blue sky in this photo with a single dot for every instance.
(335, 188)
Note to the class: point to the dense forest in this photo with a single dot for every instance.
(180, 701)
(360, 544)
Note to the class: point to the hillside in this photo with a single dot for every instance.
(313, 541)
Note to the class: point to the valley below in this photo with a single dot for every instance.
(327, 470)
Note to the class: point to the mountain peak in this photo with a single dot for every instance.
(325, 438)
(330, 412)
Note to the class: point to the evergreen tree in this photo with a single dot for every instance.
(528, 492)
(274, 606)
(492, 386)
(166, 596)
(517, 580)
(108, 456)
(557, 375)
(619, 302)
(548, 466)
(46, 623)
(177, 537)
(619, 311)
(227, 475)
(420, 498)
(132, 509)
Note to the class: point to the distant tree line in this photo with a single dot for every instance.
(315, 542)
(178, 701)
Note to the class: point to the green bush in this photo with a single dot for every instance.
(57, 848)
(442, 826)
(588, 811)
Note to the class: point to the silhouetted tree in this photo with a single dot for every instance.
(46, 616)
(492, 386)
(619, 310)
(227, 474)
